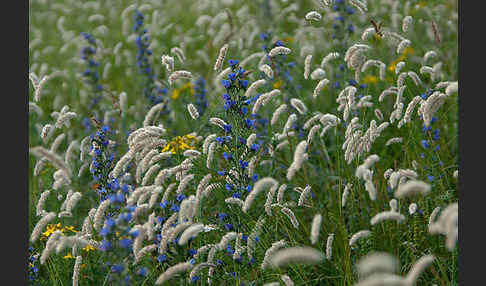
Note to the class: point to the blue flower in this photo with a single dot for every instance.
(222, 172)
(105, 231)
(175, 208)
(192, 252)
(254, 178)
(124, 188)
(195, 278)
(164, 204)
(228, 226)
(126, 243)
(229, 249)
(233, 62)
(161, 258)
(242, 140)
(127, 216)
(229, 187)
(232, 76)
(105, 245)
(226, 83)
(243, 164)
(160, 219)
(431, 178)
(142, 271)
(180, 197)
(117, 268)
(227, 128)
(227, 156)
(425, 143)
(134, 233)
(249, 122)
(220, 140)
(236, 195)
(254, 147)
(244, 110)
(243, 83)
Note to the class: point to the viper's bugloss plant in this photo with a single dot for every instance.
(154, 93)
(91, 74)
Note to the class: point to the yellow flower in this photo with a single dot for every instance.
(370, 79)
(50, 229)
(277, 84)
(189, 86)
(403, 56)
(70, 228)
(175, 94)
(88, 248)
(68, 256)
(180, 144)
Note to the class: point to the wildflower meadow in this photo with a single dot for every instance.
(233, 142)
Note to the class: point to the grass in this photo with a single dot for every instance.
(325, 171)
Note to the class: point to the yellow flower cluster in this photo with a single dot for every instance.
(404, 55)
(176, 92)
(180, 144)
(370, 79)
(51, 228)
(277, 84)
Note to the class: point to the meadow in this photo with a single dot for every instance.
(231, 142)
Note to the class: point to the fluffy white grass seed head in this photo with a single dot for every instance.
(290, 214)
(307, 63)
(358, 235)
(316, 227)
(330, 240)
(299, 105)
(313, 15)
(41, 225)
(267, 70)
(377, 262)
(418, 267)
(279, 51)
(193, 111)
(179, 74)
(281, 109)
(412, 187)
(77, 269)
(406, 23)
(190, 232)
(173, 270)
(387, 215)
(270, 251)
(259, 186)
(297, 254)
